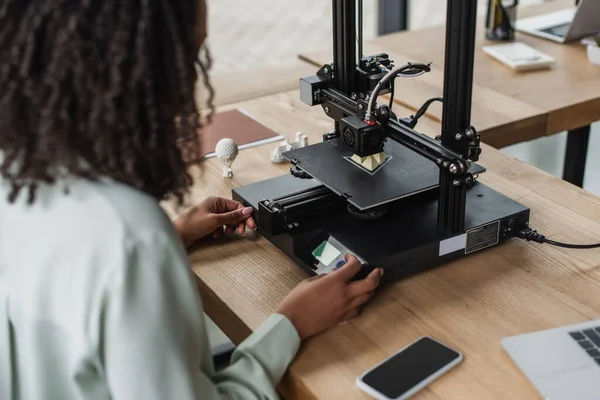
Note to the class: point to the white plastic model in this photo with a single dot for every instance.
(301, 140)
(227, 151)
(277, 153)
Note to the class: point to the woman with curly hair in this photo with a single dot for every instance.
(97, 300)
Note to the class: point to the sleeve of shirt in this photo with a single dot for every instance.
(155, 345)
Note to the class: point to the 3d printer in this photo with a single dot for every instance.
(374, 186)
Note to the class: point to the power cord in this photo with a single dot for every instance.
(533, 236)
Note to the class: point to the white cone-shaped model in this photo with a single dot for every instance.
(371, 162)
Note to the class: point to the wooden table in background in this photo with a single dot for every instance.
(233, 87)
(508, 107)
(471, 304)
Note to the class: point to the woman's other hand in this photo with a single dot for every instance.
(321, 302)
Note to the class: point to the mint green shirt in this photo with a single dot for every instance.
(97, 302)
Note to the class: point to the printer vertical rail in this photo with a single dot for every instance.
(456, 118)
(344, 46)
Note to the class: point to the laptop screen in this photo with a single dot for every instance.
(557, 30)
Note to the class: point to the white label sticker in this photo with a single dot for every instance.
(453, 244)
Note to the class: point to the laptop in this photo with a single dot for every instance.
(564, 25)
(561, 363)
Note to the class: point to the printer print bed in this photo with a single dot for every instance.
(404, 174)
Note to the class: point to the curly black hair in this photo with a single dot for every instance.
(97, 88)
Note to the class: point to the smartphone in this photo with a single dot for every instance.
(410, 370)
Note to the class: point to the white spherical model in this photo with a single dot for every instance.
(226, 151)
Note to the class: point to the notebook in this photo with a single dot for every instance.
(234, 124)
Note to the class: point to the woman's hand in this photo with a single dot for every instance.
(214, 216)
(321, 302)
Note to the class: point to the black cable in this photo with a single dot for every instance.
(533, 236)
(414, 119)
(409, 69)
(392, 86)
(406, 70)
(425, 106)
(572, 246)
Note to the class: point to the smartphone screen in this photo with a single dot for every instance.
(410, 367)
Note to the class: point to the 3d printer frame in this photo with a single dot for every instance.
(345, 90)
(423, 206)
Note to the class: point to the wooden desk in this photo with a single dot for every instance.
(470, 304)
(508, 107)
(250, 84)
